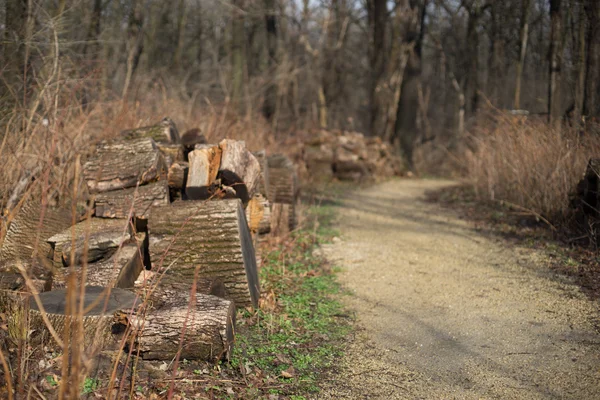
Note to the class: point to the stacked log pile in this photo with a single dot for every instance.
(349, 156)
(173, 224)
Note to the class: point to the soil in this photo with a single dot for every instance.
(449, 312)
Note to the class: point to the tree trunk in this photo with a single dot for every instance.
(135, 43)
(238, 51)
(124, 164)
(524, 35)
(214, 235)
(13, 55)
(405, 127)
(471, 86)
(591, 105)
(580, 67)
(181, 22)
(270, 102)
(555, 61)
(377, 14)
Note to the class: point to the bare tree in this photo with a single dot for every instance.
(555, 60)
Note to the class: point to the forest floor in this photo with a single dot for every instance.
(447, 310)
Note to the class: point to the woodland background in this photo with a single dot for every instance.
(505, 93)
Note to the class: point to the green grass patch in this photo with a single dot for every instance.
(299, 329)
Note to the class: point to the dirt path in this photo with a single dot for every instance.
(447, 313)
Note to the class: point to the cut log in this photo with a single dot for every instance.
(100, 305)
(123, 165)
(165, 131)
(258, 214)
(283, 181)
(203, 170)
(177, 175)
(121, 270)
(95, 247)
(239, 169)
(213, 235)
(282, 219)
(26, 237)
(206, 325)
(263, 185)
(150, 285)
(284, 191)
(137, 201)
(93, 227)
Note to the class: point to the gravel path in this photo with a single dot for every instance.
(446, 313)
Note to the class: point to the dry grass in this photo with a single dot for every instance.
(51, 140)
(528, 163)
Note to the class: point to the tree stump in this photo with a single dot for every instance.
(100, 305)
(123, 165)
(213, 235)
(165, 131)
(138, 201)
(206, 325)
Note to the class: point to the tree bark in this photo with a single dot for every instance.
(26, 236)
(201, 328)
(137, 201)
(211, 234)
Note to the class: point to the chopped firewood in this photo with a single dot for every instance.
(212, 234)
(132, 201)
(124, 164)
